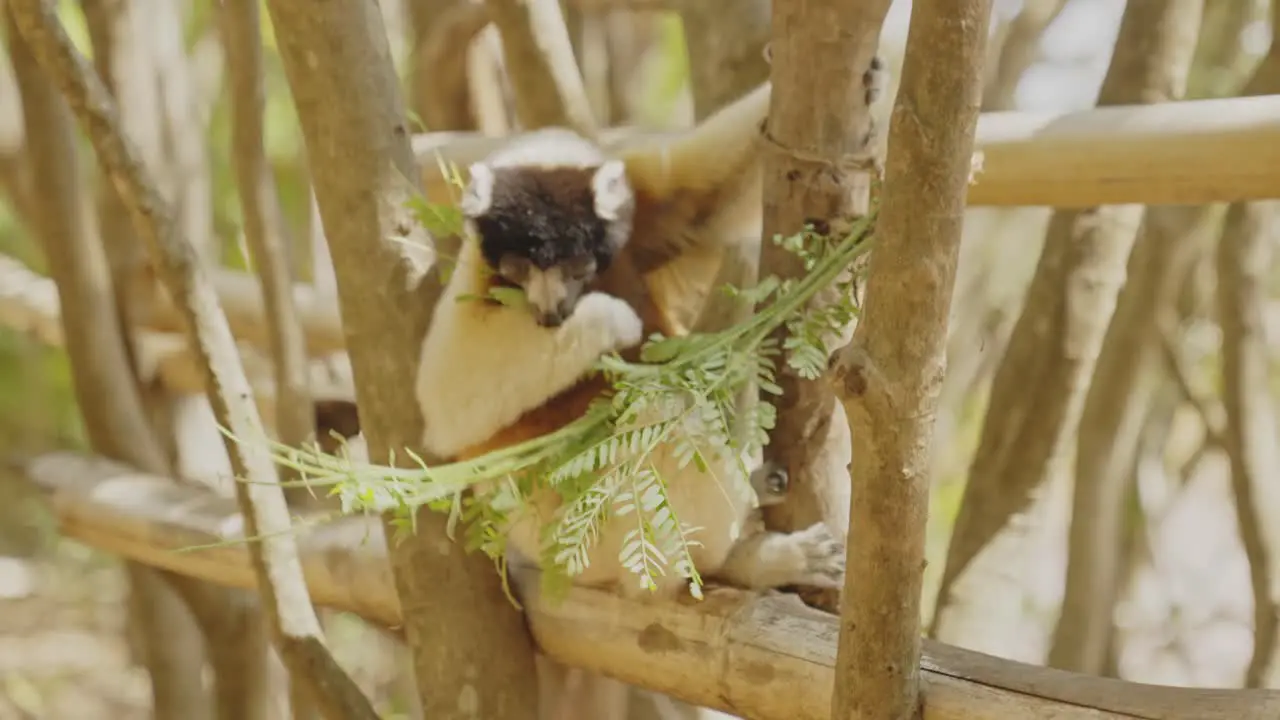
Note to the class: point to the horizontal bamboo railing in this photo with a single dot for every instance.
(1194, 151)
(762, 657)
(1198, 151)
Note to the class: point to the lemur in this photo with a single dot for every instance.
(575, 229)
(579, 230)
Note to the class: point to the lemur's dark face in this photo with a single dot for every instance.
(549, 230)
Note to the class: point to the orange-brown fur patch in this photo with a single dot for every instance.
(622, 281)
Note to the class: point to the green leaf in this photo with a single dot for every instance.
(511, 297)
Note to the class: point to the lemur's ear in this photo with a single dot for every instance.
(478, 195)
(612, 193)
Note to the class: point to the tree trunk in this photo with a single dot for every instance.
(1245, 263)
(539, 60)
(891, 373)
(438, 89)
(1038, 390)
(102, 373)
(277, 570)
(1125, 383)
(815, 141)
(725, 42)
(472, 654)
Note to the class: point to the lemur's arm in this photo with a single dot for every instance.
(687, 184)
(483, 365)
(769, 559)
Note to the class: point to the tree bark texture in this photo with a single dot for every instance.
(891, 373)
(816, 168)
(1038, 390)
(473, 657)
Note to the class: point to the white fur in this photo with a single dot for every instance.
(478, 195)
(483, 366)
(610, 188)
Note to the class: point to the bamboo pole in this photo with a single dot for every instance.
(766, 657)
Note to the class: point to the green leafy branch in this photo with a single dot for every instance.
(680, 398)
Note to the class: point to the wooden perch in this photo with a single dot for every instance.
(1198, 151)
(1190, 152)
(240, 295)
(29, 305)
(764, 657)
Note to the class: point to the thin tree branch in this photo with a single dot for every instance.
(115, 417)
(891, 373)
(263, 227)
(539, 59)
(297, 632)
(1245, 260)
(1072, 295)
(1210, 410)
(1018, 52)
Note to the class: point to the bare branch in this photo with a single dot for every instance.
(1018, 52)
(266, 515)
(766, 657)
(114, 414)
(242, 299)
(264, 228)
(443, 30)
(1071, 297)
(539, 59)
(1245, 261)
(891, 373)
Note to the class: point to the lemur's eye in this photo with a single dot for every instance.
(514, 268)
(580, 266)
